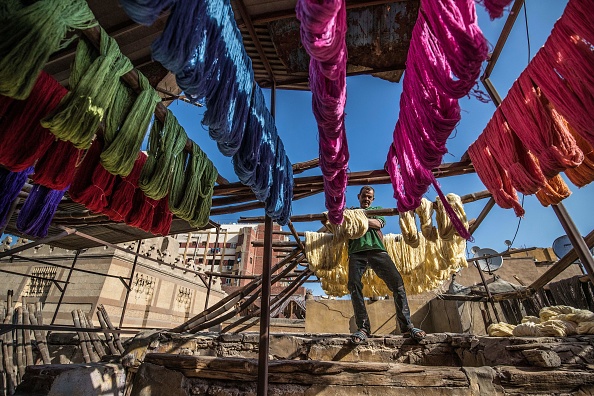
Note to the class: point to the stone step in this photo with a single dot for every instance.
(204, 375)
(441, 349)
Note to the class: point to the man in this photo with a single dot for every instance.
(369, 251)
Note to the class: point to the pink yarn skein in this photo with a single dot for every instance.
(323, 30)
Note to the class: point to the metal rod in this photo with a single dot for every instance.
(576, 239)
(129, 284)
(509, 24)
(65, 286)
(38, 242)
(262, 389)
(11, 210)
(214, 252)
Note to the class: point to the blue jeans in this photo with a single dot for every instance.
(383, 266)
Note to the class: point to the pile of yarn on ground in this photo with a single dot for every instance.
(556, 321)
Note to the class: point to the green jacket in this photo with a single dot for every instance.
(372, 240)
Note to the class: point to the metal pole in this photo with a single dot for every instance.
(214, 252)
(65, 286)
(129, 286)
(11, 210)
(265, 310)
(576, 239)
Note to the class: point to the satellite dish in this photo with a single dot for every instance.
(508, 243)
(562, 246)
(475, 250)
(489, 264)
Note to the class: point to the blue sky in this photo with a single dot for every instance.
(371, 113)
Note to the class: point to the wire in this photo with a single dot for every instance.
(527, 34)
(518, 227)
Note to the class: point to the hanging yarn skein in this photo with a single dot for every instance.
(166, 142)
(38, 211)
(493, 176)
(495, 7)
(194, 176)
(95, 80)
(57, 167)
(20, 125)
(145, 12)
(447, 33)
(323, 30)
(11, 183)
(29, 35)
(119, 155)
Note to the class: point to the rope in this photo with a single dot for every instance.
(29, 35)
(166, 142)
(94, 82)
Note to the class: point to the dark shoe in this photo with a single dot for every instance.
(415, 334)
(359, 337)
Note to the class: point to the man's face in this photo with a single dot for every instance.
(365, 198)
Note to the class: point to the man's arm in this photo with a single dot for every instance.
(375, 223)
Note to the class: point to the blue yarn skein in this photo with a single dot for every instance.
(246, 158)
(145, 12)
(174, 48)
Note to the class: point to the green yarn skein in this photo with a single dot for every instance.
(29, 35)
(166, 142)
(95, 82)
(119, 153)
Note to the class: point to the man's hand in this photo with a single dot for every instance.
(374, 223)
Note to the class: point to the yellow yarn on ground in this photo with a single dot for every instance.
(500, 329)
(555, 321)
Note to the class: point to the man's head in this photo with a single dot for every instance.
(366, 196)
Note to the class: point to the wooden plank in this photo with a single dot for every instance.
(313, 371)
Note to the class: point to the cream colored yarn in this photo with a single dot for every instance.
(555, 321)
(500, 329)
(423, 259)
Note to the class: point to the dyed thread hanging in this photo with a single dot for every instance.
(166, 142)
(94, 80)
(29, 35)
(57, 167)
(446, 37)
(119, 154)
(323, 30)
(20, 124)
(544, 134)
(211, 64)
(145, 12)
(93, 184)
(493, 176)
(495, 7)
(11, 183)
(194, 176)
(38, 211)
